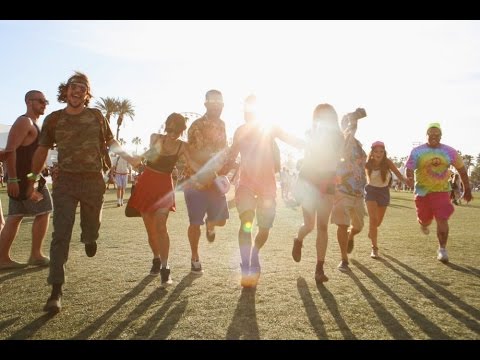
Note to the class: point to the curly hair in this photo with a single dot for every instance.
(77, 77)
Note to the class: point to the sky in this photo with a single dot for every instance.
(406, 74)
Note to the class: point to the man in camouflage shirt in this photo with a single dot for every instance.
(80, 140)
(207, 139)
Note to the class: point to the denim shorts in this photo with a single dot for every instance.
(208, 202)
(29, 207)
(381, 195)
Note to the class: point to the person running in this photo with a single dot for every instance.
(154, 195)
(207, 140)
(315, 187)
(348, 210)
(82, 135)
(428, 165)
(256, 191)
(377, 191)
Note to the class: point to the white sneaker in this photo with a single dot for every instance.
(196, 268)
(442, 255)
(425, 229)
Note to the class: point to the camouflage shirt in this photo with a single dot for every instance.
(77, 138)
(206, 138)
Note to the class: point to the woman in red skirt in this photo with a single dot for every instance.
(154, 195)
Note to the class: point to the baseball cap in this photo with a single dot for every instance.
(378, 143)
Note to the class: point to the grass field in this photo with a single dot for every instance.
(407, 294)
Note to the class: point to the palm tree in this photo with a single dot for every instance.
(125, 108)
(136, 141)
(108, 106)
(122, 141)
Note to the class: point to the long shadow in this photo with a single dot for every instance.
(466, 270)
(474, 270)
(431, 329)
(311, 309)
(148, 329)
(89, 330)
(393, 326)
(244, 322)
(169, 322)
(30, 329)
(140, 309)
(13, 273)
(331, 303)
(442, 291)
(6, 323)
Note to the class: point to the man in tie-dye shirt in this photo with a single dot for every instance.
(430, 163)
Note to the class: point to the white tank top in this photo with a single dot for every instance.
(375, 179)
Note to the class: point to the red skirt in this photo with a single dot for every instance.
(153, 191)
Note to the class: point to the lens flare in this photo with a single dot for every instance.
(247, 227)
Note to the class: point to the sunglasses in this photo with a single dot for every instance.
(41, 101)
(79, 86)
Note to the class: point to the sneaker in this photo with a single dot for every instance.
(297, 250)
(343, 266)
(374, 253)
(43, 261)
(156, 264)
(53, 305)
(349, 244)
(246, 280)
(424, 229)
(255, 275)
(210, 234)
(91, 249)
(442, 255)
(166, 280)
(196, 268)
(118, 204)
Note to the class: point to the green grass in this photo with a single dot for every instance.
(407, 294)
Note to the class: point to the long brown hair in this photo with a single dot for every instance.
(62, 88)
(384, 168)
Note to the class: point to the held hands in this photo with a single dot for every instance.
(467, 195)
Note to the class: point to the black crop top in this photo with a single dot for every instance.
(159, 162)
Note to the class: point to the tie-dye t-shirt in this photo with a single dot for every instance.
(431, 167)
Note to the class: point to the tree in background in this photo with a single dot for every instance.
(125, 108)
(108, 106)
(136, 141)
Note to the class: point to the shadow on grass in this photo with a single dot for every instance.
(150, 330)
(13, 273)
(466, 270)
(244, 322)
(30, 329)
(428, 327)
(89, 330)
(473, 325)
(311, 309)
(474, 270)
(6, 323)
(393, 326)
(332, 306)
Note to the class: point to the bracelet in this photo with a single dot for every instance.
(33, 177)
(13, 180)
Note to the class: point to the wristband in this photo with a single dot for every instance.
(33, 177)
(12, 180)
